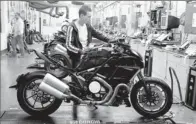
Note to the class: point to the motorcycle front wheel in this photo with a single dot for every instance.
(34, 101)
(159, 102)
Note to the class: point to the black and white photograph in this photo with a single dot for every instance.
(98, 62)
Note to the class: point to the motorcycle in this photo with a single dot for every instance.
(105, 76)
(49, 50)
(59, 38)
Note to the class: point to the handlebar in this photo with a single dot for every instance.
(114, 44)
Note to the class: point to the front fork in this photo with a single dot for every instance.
(141, 78)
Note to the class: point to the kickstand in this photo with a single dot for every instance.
(173, 122)
(92, 106)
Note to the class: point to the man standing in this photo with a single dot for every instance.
(18, 31)
(79, 35)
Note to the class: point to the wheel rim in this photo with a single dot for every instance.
(34, 97)
(157, 101)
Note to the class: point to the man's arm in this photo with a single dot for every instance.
(99, 35)
(70, 40)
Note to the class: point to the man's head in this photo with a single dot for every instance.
(22, 14)
(85, 14)
(17, 15)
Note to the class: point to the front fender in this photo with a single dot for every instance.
(25, 77)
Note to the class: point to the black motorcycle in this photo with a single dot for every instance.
(105, 76)
(59, 38)
(49, 50)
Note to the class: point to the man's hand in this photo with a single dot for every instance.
(84, 51)
(112, 41)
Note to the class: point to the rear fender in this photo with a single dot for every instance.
(55, 42)
(25, 77)
(69, 62)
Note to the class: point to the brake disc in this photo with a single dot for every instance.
(156, 100)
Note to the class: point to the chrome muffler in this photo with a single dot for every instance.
(55, 87)
(52, 91)
(60, 48)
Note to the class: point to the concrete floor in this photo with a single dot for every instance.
(11, 113)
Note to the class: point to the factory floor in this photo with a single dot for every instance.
(11, 113)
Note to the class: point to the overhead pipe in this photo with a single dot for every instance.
(53, 15)
(50, 5)
(41, 6)
(108, 5)
(54, 5)
(37, 6)
(59, 13)
(52, 1)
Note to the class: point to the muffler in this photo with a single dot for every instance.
(60, 48)
(56, 83)
(52, 91)
(59, 89)
(55, 87)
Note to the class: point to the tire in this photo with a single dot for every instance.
(63, 59)
(166, 106)
(26, 106)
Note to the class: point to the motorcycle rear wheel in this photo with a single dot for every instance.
(158, 107)
(25, 103)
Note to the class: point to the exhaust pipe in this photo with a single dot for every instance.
(115, 93)
(52, 91)
(54, 86)
(60, 48)
(59, 89)
(105, 84)
(56, 83)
